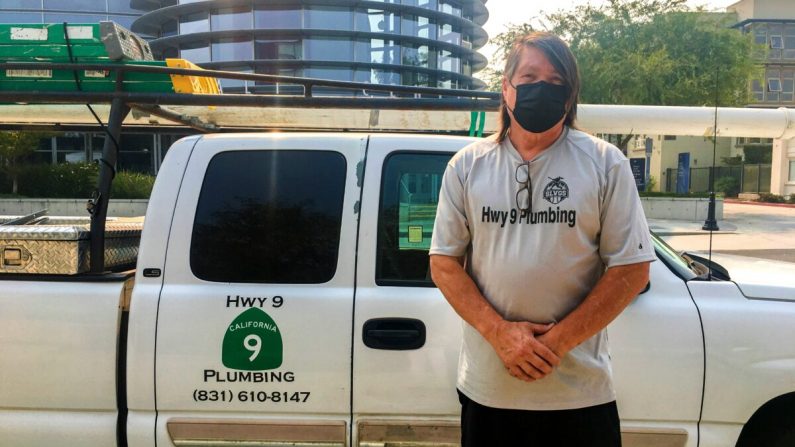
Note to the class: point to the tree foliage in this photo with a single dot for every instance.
(14, 146)
(650, 52)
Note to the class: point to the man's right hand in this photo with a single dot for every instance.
(523, 355)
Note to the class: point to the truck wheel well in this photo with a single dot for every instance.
(771, 425)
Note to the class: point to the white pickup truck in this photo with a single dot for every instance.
(282, 297)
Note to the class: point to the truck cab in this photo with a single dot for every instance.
(282, 297)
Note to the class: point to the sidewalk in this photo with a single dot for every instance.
(747, 229)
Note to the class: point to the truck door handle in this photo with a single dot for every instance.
(397, 334)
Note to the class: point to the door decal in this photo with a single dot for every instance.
(252, 342)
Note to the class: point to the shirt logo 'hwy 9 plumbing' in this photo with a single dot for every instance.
(252, 342)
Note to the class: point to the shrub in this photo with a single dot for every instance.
(78, 181)
(66, 180)
(651, 183)
(770, 198)
(132, 185)
(791, 198)
(729, 186)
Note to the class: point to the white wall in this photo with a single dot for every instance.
(69, 207)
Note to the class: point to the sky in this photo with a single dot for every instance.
(504, 12)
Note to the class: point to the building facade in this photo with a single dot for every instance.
(772, 23)
(141, 151)
(429, 43)
(72, 11)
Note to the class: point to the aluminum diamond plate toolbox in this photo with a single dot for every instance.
(63, 248)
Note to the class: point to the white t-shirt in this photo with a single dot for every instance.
(538, 266)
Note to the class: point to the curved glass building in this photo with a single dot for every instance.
(72, 11)
(430, 43)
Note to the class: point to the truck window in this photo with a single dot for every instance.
(269, 217)
(410, 185)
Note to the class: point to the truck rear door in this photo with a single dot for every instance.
(254, 320)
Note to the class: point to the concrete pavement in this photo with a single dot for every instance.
(748, 230)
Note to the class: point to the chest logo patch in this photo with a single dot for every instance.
(556, 190)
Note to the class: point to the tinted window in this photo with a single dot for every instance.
(269, 217)
(74, 5)
(409, 194)
(277, 19)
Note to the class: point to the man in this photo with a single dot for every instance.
(539, 242)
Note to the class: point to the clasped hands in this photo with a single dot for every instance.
(529, 351)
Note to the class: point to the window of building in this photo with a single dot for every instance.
(197, 52)
(787, 85)
(74, 5)
(377, 21)
(417, 56)
(137, 152)
(269, 217)
(417, 79)
(450, 34)
(278, 49)
(466, 68)
(792, 171)
(328, 18)
(20, 17)
(317, 49)
(774, 85)
(232, 50)
(384, 52)
(448, 62)
(236, 85)
(277, 19)
(278, 88)
(335, 74)
(231, 19)
(74, 18)
(409, 196)
(446, 81)
(669, 138)
(121, 6)
(386, 77)
(449, 8)
(21, 4)
(776, 42)
(417, 26)
(789, 42)
(757, 90)
(194, 23)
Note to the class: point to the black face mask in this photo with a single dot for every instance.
(540, 105)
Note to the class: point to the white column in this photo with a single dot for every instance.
(783, 154)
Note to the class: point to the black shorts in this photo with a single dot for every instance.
(483, 426)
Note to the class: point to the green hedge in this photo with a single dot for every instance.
(132, 185)
(74, 181)
(775, 198)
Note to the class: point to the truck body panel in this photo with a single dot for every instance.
(282, 295)
(58, 353)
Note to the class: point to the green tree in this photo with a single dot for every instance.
(14, 146)
(650, 52)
